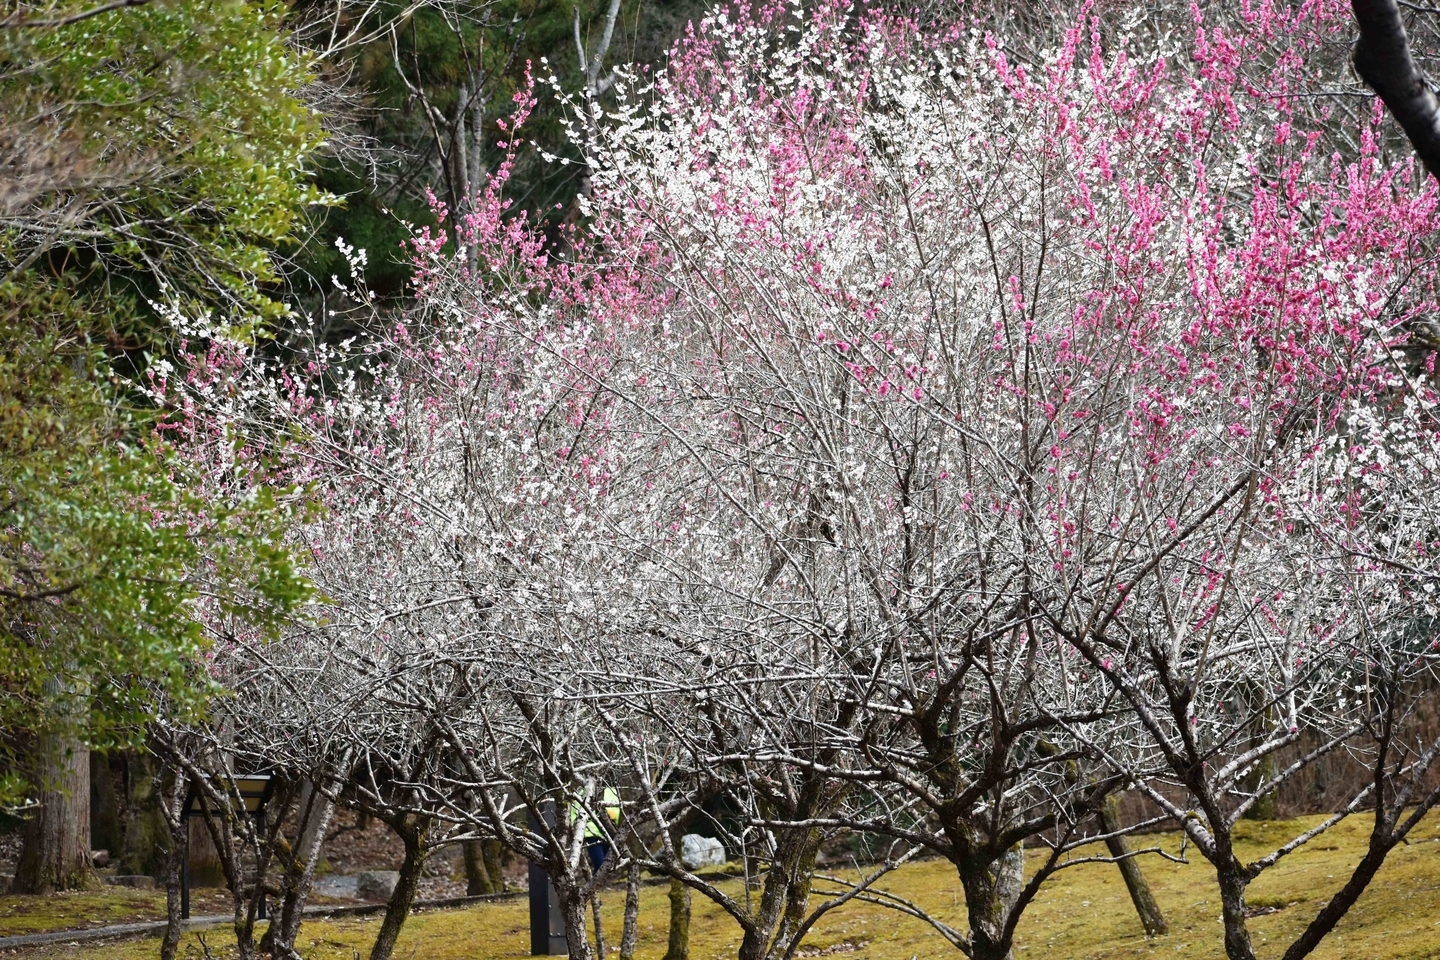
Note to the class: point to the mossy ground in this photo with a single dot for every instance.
(78, 910)
(102, 907)
(1083, 914)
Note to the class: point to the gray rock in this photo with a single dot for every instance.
(697, 852)
(376, 884)
(336, 885)
(132, 881)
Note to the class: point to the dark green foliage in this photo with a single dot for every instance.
(159, 145)
(101, 537)
(412, 85)
(153, 153)
(367, 221)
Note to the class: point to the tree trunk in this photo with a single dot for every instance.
(988, 888)
(572, 905)
(1266, 806)
(1232, 913)
(398, 908)
(477, 874)
(678, 947)
(1140, 895)
(459, 166)
(107, 800)
(316, 809)
(1382, 841)
(494, 863)
(220, 825)
(1009, 873)
(55, 845)
(755, 943)
(144, 844)
(475, 176)
(787, 883)
(601, 947)
(630, 930)
(170, 815)
(800, 871)
(1382, 59)
(176, 854)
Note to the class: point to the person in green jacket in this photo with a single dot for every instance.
(596, 844)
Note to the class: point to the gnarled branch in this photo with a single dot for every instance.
(1382, 59)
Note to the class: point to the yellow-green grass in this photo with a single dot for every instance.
(1083, 914)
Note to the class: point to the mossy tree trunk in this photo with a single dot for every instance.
(989, 882)
(477, 880)
(142, 821)
(785, 892)
(483, 870)
(1232, 911)
(797, 895)
(125, 814)
(677, 945)
(494, 863)
(1266, 805)
(601, 947)
(107, 802)
(1150, 916)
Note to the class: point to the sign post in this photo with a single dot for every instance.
(547, 922)
(254, 791)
